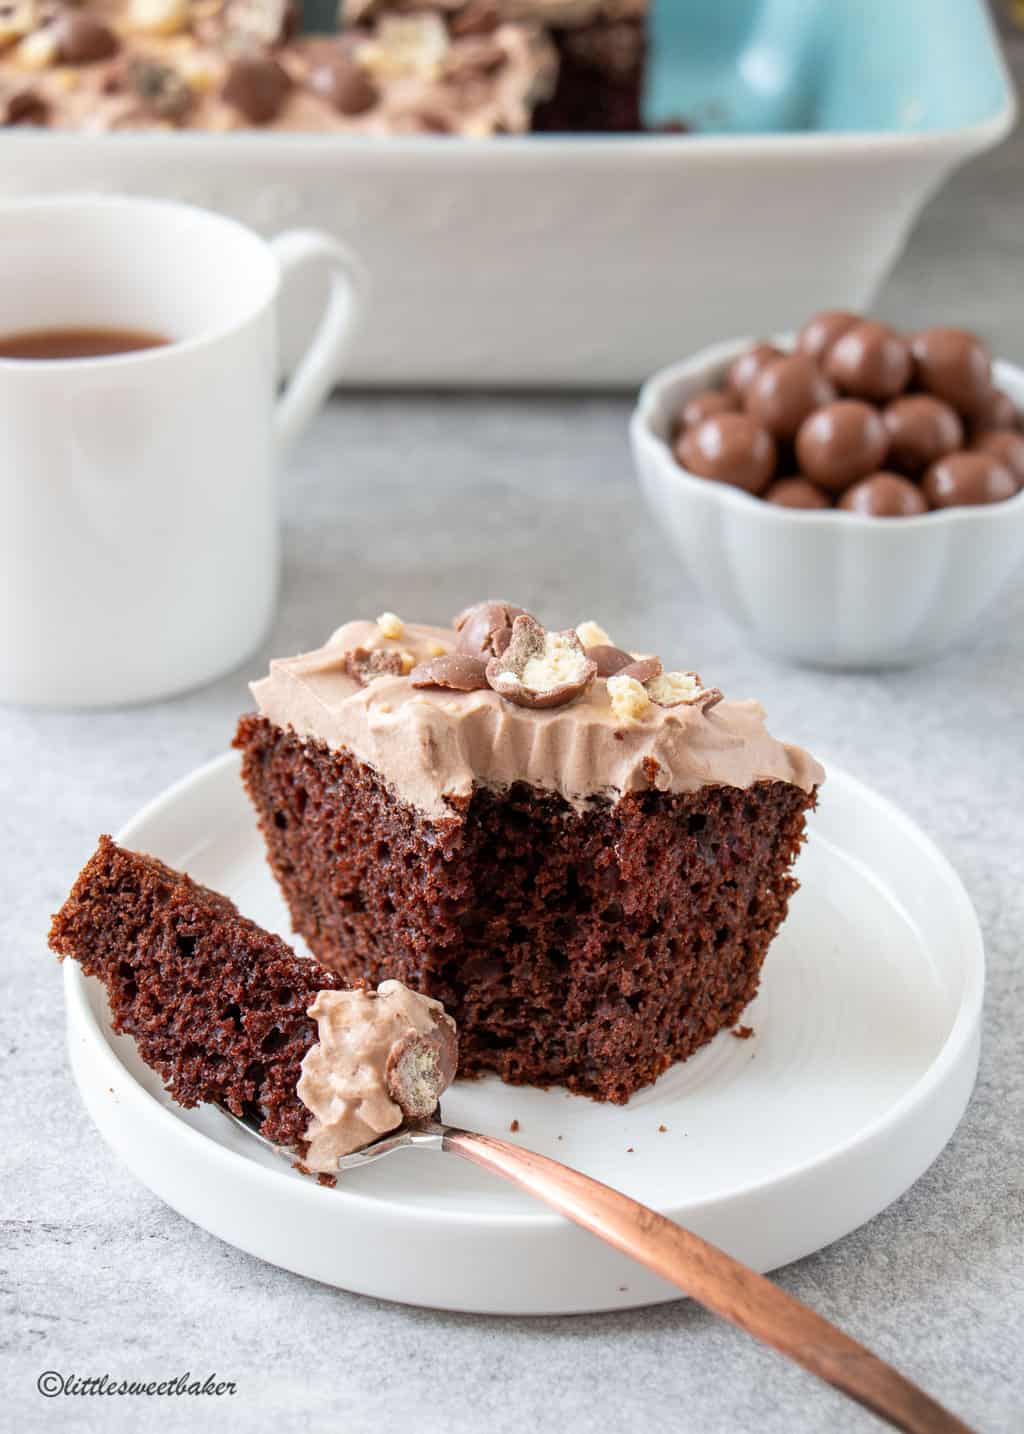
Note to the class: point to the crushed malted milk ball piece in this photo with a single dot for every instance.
(641, 668)
(390, 625)
(364, 666)
(485, 628)
(457, 671)
(37, 51)
(406, 45)
(630, 702)
(159, 17)
(592, 634)
(408, 662)
(674, 689)
(540, 669)
(560, 662)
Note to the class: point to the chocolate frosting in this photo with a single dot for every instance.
(432, 745)
(345, 1077)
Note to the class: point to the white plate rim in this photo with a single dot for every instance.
(954, 1048)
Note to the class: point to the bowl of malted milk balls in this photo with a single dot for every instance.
(851, 496)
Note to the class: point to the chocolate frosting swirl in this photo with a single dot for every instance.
(432, 745)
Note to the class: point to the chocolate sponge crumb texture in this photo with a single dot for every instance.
(226, 1012)
(582, 855)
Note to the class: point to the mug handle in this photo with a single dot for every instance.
(317, 370)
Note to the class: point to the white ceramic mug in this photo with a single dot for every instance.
(138, 523)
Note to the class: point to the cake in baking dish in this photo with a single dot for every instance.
(474, 68)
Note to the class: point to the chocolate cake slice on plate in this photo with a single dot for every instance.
(583, 856)
(226, 1012)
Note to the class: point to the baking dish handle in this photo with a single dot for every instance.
(317, 370)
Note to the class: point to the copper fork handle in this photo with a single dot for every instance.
(717, 1281)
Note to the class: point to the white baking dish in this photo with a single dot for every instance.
(592, 261)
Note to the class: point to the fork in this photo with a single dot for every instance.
(724, 1286)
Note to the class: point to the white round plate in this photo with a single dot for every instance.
(863, 1056)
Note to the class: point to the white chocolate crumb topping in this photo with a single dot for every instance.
(592, 634)
(406, 45)
(560, 665)
(668, 689)
(390, 625)
(37, 51)
(17, 18)
(629, 700)
(159, 17)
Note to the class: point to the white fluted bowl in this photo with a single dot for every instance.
(824, 587)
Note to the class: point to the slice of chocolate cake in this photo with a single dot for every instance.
(226, 1012)
(584, 857)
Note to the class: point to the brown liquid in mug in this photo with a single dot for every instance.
(77, 343)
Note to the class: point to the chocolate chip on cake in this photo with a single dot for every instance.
(257, 86)
(82, 39)
(869, 360)
(729, 448)
(884, 495)
(541, 669)
(344, 84)
(485, 629)
(955, 365)
(456, 671)
(968, 479)
(608, 659)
